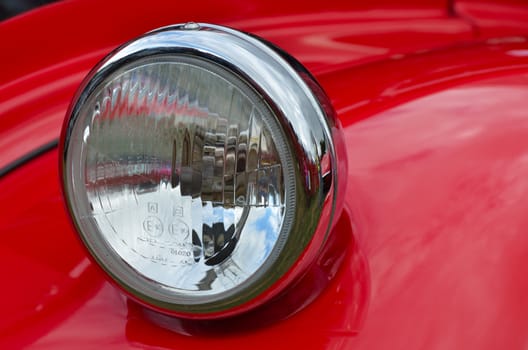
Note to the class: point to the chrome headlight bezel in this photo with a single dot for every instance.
(306, 121)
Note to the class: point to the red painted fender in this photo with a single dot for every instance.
(434, 226)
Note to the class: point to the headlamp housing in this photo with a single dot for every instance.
(199, 169)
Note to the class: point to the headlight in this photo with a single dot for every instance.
(199, 170)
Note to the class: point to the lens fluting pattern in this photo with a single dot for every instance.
(183, 170)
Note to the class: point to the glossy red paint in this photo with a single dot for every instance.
(437, 168)
(436, 136)
(47, 64)
(492, 19)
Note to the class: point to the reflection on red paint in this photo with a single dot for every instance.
(46, 272)
(442, 217)
(495, 19)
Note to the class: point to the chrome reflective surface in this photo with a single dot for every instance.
(193, 168)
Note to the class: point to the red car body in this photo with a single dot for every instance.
(431, 250)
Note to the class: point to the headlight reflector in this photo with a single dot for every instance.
(185, 174)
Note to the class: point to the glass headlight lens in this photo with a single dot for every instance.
(182, 174)
(182, 179)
